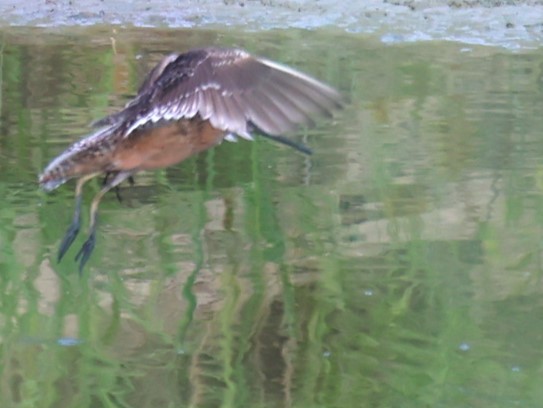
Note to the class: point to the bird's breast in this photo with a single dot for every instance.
(165, 145)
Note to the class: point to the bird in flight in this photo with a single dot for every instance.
(187, 103)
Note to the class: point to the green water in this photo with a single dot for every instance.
(399, 266)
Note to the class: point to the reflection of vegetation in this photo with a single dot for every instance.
(378, 272)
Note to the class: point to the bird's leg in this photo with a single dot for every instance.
(86, 250)
(73, 229)
(104, 183)
(106, 178)
(117, 189)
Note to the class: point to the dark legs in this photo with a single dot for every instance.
(117, 192)
(73, 230)
(86, 250)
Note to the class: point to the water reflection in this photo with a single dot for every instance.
(399, 265)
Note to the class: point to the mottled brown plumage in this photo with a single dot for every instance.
(186, 104)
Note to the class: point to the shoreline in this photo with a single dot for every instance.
(508, 24)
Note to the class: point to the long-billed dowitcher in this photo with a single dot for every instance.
(187, 103)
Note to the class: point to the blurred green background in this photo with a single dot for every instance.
(399, 266)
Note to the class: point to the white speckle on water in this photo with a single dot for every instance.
(464, 347)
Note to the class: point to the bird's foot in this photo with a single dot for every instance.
(86, 250)
(68, 239)
(72, 231)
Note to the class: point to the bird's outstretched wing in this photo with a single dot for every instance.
(235, 91)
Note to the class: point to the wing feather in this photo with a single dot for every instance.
(229, 87)
(290, 106)
(280, 121)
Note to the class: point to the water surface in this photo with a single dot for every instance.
(400, 265)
